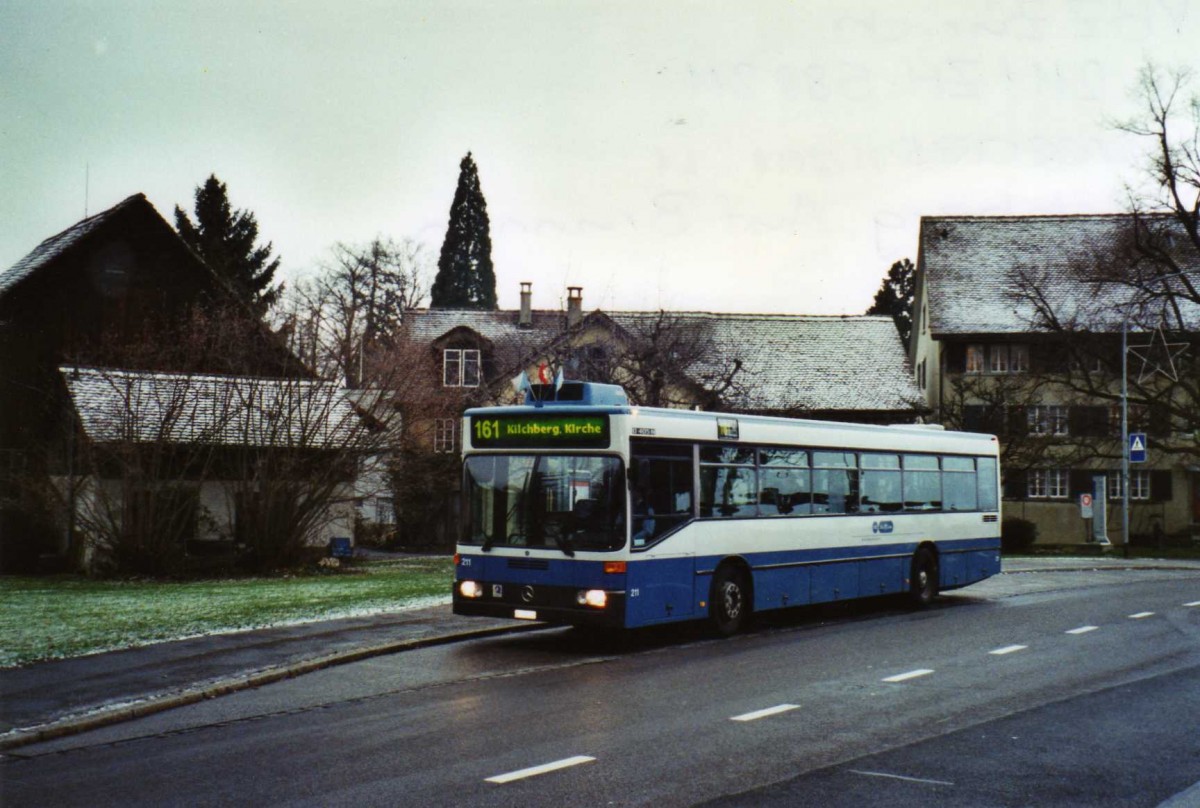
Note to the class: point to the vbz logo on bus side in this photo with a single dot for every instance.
(882, 527)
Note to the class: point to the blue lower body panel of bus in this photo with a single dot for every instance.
(797, 578)
(667, 590)
(548, 590)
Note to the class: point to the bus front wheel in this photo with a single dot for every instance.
(923, 585)
(729, 604)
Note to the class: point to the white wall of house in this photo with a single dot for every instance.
(926, 354)
(93, 498)
(373, 492)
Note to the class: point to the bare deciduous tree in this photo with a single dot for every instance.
(1144, 278)
(176, 461)
(343, 318)
(662, 359)
(1173, 168)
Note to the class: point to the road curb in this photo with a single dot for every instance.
(1105, 568)
(103, 717)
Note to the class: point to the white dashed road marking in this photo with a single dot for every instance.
(566, 763)
(757, 714)
(901, 777)
(545, 768)
(904, 677)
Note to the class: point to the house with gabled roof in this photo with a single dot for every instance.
(829, 367)
(836, 368)
(119, 301)
(811, 366)
(1017, 331)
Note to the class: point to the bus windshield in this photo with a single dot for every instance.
(568, 502)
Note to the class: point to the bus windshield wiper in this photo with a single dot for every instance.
(564, 544)
(488, 541)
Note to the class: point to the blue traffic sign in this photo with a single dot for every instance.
(1137, 447)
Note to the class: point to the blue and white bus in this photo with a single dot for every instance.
(585, 510)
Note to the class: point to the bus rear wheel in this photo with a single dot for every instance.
(923, 585)
(729, 601)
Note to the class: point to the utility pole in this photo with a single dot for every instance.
(1125, 419)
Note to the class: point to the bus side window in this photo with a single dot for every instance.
(959, 489)
(663, 488)
(989, 497)
(787, 490)
(835, 482)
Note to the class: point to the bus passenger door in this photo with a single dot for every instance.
(659, 589)
(661, 568)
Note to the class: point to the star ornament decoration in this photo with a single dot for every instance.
(1158, 356)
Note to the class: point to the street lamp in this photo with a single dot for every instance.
(1125, 417)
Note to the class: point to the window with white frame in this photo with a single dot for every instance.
(1048, 419)
(997, 359)
(1018, 358)
(1139, 484)
(1048, 484)
(1114, 420)
(1141, 419)
(975, 358)
(445, 434)
(385, 510)
(460, 367)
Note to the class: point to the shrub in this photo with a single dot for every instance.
(425, 487)
(1017, 535)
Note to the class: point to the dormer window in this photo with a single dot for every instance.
(460, 367)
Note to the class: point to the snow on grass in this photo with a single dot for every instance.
(57, 617)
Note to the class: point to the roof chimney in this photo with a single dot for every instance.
(574, 306)
(526, 305)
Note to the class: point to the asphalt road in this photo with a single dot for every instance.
(1036, 689)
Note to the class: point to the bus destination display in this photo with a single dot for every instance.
(539, 431)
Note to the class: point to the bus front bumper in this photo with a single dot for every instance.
(547, 604)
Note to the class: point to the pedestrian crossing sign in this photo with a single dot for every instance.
(1137, 447)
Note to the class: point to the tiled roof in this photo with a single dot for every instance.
(805, 362)
(789, 362)
(55, 246)
(426, 325)
(511, 343)
(119, 406)
(969, 264)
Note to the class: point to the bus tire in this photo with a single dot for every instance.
(729, 601)
(923, 585)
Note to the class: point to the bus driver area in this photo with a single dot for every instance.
(582, 509)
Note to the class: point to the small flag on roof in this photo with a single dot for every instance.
(521, 384)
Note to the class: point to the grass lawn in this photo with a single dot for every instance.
(1191, 552)
(64, 616)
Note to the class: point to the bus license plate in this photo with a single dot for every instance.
(524, 614)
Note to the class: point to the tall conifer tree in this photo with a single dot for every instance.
(895, 296)
(465, 277)
(225, 238)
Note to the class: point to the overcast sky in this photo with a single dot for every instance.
(738, 156)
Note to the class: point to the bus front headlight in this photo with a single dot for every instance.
(596, 598)
(470, 589)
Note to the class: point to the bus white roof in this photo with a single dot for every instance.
(692, 425)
